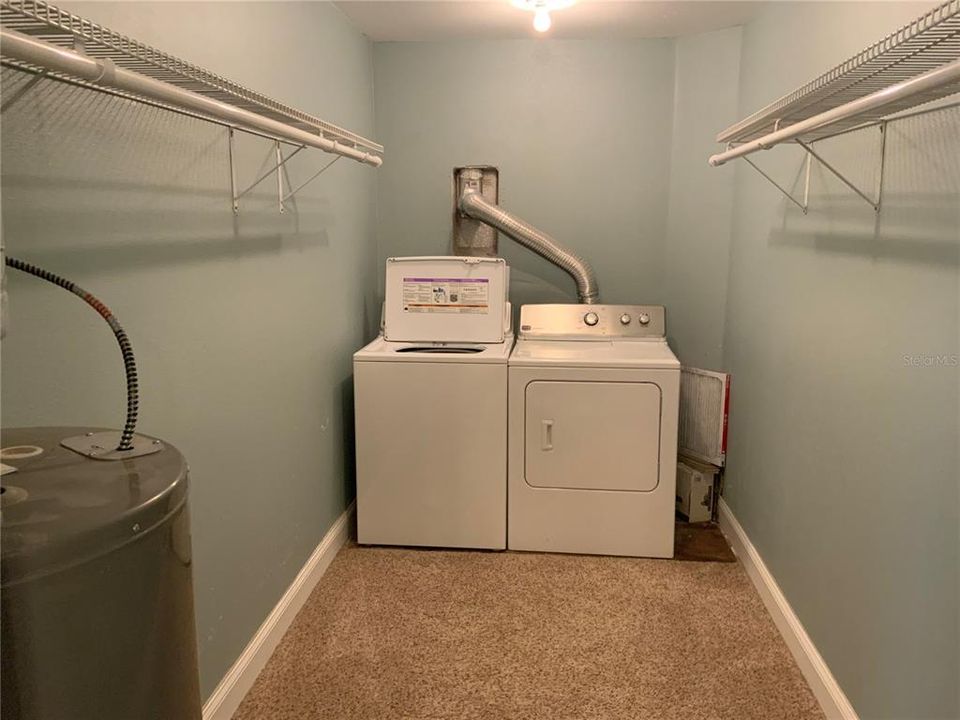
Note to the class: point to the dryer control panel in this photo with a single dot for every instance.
(592, 322)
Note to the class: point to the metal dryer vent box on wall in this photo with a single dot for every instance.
(471, 236)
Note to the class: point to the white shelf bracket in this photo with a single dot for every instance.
(233, 173)
(276, 168)
(802, 205)
(313, 177)
(280, 162)
(875, 204)
(883, 162)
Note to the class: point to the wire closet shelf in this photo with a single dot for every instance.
(918, 64)
(42, 39)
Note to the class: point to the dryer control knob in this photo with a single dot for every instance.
(644, 319)
(591, 318)
(624, 319)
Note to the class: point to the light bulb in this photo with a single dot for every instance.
(541, 20)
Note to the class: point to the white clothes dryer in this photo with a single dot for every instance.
(594, 400)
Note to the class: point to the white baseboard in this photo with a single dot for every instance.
(824, 686)
(240, 678)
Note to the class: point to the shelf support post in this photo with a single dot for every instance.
(280, 162)
(233, 174)
(874, 204)
(791, 198)
(883, 162)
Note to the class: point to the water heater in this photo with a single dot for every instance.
(95, 587)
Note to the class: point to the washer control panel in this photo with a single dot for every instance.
(585, 322)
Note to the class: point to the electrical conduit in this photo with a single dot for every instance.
(126, 349)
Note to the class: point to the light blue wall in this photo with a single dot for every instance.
(843, 459)
(697, 248)
(243, 328)
(580, 131)
(601, 144)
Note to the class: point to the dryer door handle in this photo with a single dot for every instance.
(546, 434)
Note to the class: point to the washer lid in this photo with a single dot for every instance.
(61, 508)
(381, 350)
(446, 299)
(649, 354)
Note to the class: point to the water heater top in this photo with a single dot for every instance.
(61, 508)
(592, 322)
(446, 299)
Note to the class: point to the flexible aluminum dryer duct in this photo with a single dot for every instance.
(472, 204)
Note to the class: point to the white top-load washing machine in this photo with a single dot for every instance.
(594, 399)
(431, 407)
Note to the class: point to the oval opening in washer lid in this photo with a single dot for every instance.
(440, 350)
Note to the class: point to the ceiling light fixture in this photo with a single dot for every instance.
(541, 10)
(541, 20)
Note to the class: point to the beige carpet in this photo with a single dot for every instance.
(397, 633)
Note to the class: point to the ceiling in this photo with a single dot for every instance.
(398, 20)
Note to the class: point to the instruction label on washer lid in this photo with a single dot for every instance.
(446, 295)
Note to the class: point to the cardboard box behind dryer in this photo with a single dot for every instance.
(698, 487)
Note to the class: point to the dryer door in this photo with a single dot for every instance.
(592, 435)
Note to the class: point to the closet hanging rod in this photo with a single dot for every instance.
(941, 77)
(106, 73)
(40, 74)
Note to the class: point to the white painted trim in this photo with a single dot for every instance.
(824, 686)
(225, 700)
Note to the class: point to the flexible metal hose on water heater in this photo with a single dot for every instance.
(473, 204)
(129, 363)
